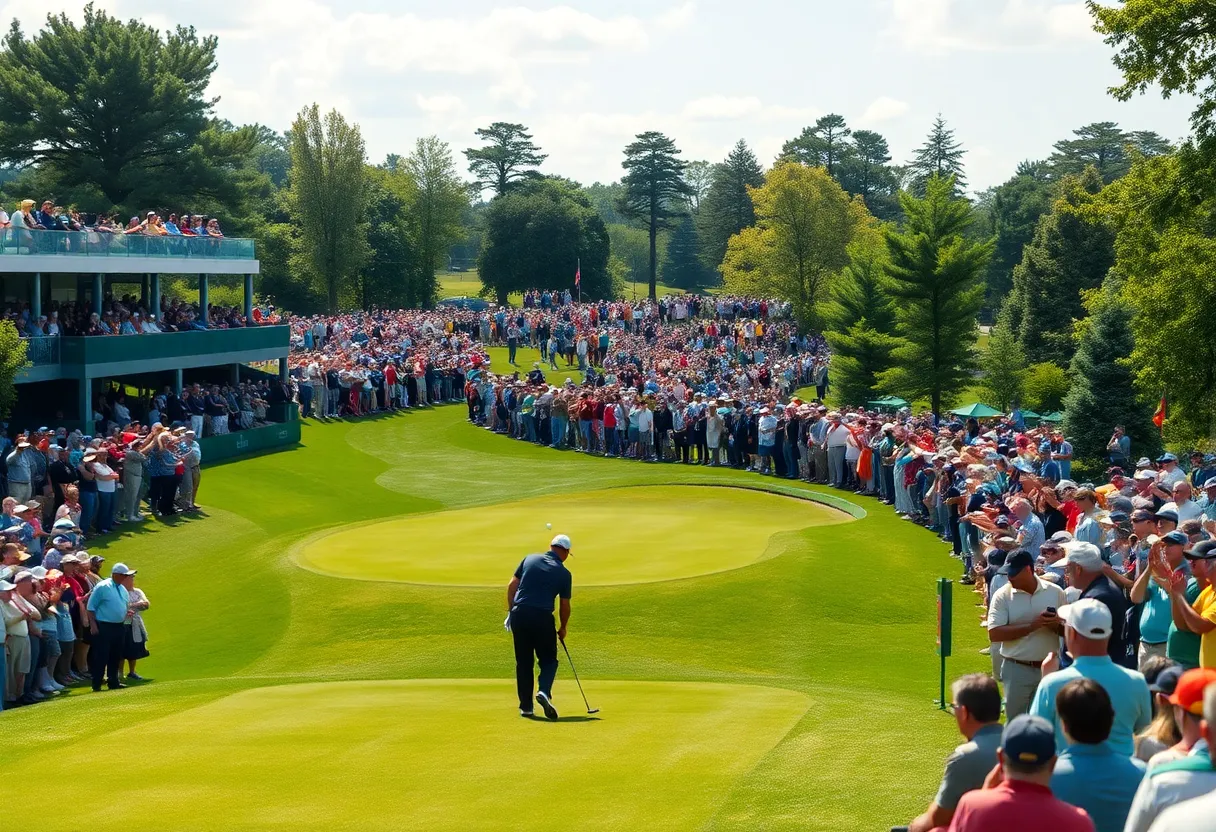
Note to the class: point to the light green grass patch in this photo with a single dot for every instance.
(439, 755)
(620, 536)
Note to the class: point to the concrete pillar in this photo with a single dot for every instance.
(202, 299)
(36, 296)
(234, 375)
(97, 296)
(284, 372)
(177, 381)
(154, 300)
(143, 292)
(248, 300)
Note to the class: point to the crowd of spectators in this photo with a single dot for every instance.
(21, 226)
(63, 623)
(128, 315)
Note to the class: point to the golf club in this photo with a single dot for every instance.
(590, 709)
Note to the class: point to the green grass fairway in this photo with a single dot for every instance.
(444, 755)
(620, 535)
(288, 699)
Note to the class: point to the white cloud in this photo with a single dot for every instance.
(439, 104)
(722, 107)
(940, 27)
(883, 109)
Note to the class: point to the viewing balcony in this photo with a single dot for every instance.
(95, 252)
(116, 355)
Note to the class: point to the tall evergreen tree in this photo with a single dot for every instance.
(935, 281)
(655, 190)
(116, 114)
(1102, 145)
(1011, 214)
(1071, 253)
(861, 322)
(682, 266)
(508, 156)
(1103, 394)
(1004, 366)
(727, 208)
(328, 199)
(941, 155)
(866, 172)
(824, 145)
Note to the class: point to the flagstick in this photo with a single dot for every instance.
(579, 273)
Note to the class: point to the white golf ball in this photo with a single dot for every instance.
(548, 525)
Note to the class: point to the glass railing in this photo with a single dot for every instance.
(19, 241)
(41, 351)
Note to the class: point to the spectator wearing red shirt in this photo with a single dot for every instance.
(1018, 796)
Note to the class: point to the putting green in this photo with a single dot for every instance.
(620, 536)
(437, 754)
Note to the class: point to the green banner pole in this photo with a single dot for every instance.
(945, 597)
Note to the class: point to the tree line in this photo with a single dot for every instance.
(1090, 263)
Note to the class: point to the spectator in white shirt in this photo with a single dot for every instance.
(1182, 503)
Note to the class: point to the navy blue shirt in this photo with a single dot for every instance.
(541, 579)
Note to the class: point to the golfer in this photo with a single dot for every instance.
(537, 582)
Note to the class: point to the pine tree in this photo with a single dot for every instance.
(935, 281)
(655, 190)
(682, 266)
(1004, 366)
(862, 322)
(824, 145)
(508, 157)
(866, 172)
(1070, 254)
(1012, 214)
(727, 208)
(1103, 394)
(941, 155)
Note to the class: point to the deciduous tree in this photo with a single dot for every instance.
(804, 225)
(435, 212)
(328, 202)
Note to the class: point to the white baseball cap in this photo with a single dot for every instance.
(1089, 617)
(562, 541)
(5, 586)
(122, 569)
(1085, 555)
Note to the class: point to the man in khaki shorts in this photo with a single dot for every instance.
(1022, 621)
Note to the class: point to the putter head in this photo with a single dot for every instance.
(593, 710)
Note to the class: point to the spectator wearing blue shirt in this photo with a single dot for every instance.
(1088, 628)
(108, 608)
(1090, 774)
(1155, 614)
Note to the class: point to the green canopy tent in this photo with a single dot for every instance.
(1054, 418)
(887, 403)
(977, 411)
(1031, 418)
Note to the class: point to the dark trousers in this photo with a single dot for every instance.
(163, 493)
(105, 654)
(534, 632)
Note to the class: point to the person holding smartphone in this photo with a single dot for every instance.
(1022, 620)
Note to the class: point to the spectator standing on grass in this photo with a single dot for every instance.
(1019, 797)
(135, 634)
(1024, 626)
(976, 704)
(132, 483)
(1090, 774)
(108, 607)
(1086, 634)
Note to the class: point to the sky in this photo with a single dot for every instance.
(1011, 77)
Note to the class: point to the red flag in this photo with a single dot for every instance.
(1160, 416)
(578, 274)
